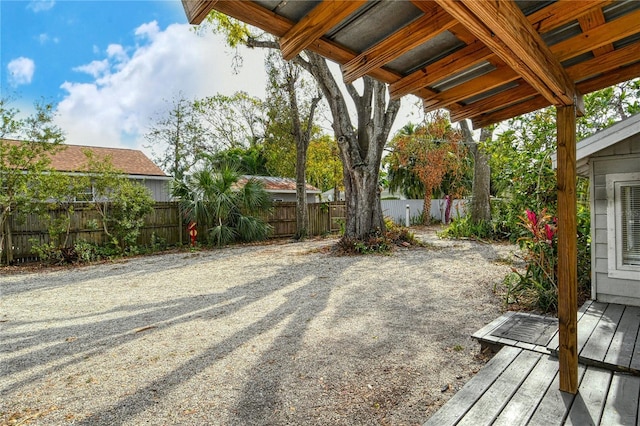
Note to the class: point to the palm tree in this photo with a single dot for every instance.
(228, 211)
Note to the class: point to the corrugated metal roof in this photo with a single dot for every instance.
(277, 184)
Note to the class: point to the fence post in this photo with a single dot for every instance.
(408, 216)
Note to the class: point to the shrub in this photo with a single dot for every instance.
(465, 228)
(539, 281)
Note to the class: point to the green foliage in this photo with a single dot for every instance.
(537, 286)
(464, 227)
(121, 203)
(22, 164)
(180, 136)
(235, 121)
(584, 249)
(236, 32)
(249, 161)
(539, 281)
(213, 198)
(130, 202)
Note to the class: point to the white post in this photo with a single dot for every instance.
(408, 217)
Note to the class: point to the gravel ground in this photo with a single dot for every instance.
(282, 334)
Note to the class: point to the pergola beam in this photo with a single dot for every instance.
(504, 29)
(311, 27)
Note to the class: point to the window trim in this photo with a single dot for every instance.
(616, 269)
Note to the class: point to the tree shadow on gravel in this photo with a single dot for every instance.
(57, 347)
(291, 311)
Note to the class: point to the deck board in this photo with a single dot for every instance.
(621, 407)
(489, 406)
(520, 385)
(623, 342)
(462, 401)
(598, 344)
(607, 335)
(553, 344)
(524, 390)
(588, 404)
(525, 401)
(555, 404)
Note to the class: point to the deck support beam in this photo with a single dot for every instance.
(567, 249)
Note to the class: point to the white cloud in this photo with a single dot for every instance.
(95, 68)
(117, 52)
(149, 30)
(44, 38)
(41, 5)
(21, 71)
(128, 91)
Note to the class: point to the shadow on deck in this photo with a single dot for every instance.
(520, 383)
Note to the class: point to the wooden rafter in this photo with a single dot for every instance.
(407, 38)
(547, 19)
(599, 36)
(579, 72)
(591, 20)
(528, 105)
(491, 80)
(463, 58)
(321, 19)
(505, 30)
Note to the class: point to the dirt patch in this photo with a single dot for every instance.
(278, 334)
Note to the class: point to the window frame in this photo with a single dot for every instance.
(616, 267)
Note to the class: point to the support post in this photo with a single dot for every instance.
(567, 249)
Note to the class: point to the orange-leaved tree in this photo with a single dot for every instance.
(428, 158)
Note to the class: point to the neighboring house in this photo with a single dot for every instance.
(282, 189)
(611, 161)
(134, 164)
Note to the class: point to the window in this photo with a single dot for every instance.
(623, 225)
(85, 195)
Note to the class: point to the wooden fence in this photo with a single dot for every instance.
(324, 218)
(161, 225)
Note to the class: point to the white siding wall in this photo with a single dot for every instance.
(624, 157)
(159, 188)
(396, 209)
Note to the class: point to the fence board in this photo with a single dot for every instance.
(160, 226)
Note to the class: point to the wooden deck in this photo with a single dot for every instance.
(519, 385)
(607, 335)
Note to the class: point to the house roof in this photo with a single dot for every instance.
(604, 139)
(71, 158)
(277, 184)
(483, 60)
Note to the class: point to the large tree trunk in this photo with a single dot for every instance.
(302, 138)
(302, 218)
(481, 190)
(426, 207)
(361, 149)
(7, 238)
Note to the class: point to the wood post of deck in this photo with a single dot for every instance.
(567, 249)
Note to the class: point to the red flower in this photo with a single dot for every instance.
(549, 231)
(532, 218)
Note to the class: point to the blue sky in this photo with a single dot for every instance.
(111, 67)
